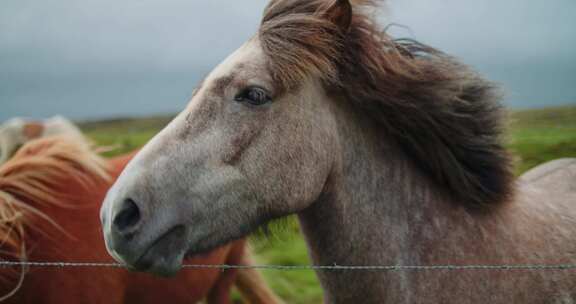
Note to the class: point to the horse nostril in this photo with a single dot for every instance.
(128, 217)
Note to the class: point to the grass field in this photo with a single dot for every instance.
(535, 136)
(540, 135)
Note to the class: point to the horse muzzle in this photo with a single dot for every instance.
(141, 242)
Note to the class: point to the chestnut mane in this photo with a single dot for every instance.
(444, 116)
(31, 178)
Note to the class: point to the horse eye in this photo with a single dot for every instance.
(254, 95)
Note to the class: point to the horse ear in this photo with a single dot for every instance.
(33, 130)
(340, 13)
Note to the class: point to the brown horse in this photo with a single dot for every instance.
(388, 151)
(50, 194)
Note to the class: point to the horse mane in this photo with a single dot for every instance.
(33, 177)
(444, 116)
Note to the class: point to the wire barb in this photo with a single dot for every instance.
(335, 267)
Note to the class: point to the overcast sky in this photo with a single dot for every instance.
(102, 58)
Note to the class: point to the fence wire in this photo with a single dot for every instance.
(391, 268)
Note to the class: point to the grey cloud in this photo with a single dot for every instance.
(97, 58)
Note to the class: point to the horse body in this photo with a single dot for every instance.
(407, 221)
(78, 238)
(389, 152)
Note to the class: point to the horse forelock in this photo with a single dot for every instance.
(34, 176)
(444, 116)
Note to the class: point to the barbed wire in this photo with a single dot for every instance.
(392, 268)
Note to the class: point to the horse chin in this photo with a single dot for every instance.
(165, 256)
(204, 247)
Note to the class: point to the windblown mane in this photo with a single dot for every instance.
(443, 115)
(30, 178)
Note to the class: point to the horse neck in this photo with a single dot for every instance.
(376, 207)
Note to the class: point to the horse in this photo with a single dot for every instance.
(389, 151)
(50, 195)
(17, 131)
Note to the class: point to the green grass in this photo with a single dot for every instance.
(285, 246)
(541, 135)
(536, 136)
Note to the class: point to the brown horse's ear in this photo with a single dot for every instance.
(33, 130)
(340, 13)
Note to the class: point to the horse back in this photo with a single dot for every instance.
(557, 177)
